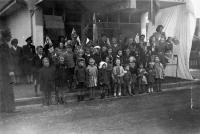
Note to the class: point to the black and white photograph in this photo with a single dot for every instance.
(99, 66)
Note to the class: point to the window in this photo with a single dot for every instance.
(124, 17)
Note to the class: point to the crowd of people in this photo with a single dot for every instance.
(113, 68)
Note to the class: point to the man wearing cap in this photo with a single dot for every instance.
(28, 52)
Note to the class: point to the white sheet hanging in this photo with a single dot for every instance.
(180, 22)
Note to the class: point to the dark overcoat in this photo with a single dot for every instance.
(7, 103)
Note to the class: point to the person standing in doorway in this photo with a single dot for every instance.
(28, 52)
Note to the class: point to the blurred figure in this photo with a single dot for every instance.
(80, 78)
(37, 65)
(159, 73)
(92, 75)
(47, 80)
(6, 74)
(28, 51)
(16, 53)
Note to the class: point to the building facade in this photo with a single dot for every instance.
(37, 18)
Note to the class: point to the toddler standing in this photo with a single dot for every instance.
(47, 80)
(151, 77)
(104, 79)
(127, 81)
(80, 78)
(118, 73)
(92, 74)
(142, 80)
(61, 81)
(159, 73)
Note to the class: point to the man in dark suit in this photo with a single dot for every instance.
(7, 103)
(28, 52)
(37, 65)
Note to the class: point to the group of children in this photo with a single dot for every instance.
(108, 70)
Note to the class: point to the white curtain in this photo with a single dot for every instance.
(178, 21)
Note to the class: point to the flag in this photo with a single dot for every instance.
(74, 33)
(87, 41)
(79, 40)
(48, 41)
(137, 38)
(154, 8)
(95, 32)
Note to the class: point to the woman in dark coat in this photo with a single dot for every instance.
(16, 53)
(7, 103)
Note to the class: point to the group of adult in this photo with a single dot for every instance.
(15, 62)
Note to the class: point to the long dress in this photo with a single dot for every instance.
(7, 103)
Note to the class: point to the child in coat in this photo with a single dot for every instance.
(109, 72)
(127, 81)
(133, 70)
(142, 80)
(61, 81)
(151, 77)
(47, 80)
(92, 74)
(104, 81)
(37, 64)
(159, 73)
(70, 62)
(118, 73)
(80, 78)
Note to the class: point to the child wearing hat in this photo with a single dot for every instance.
(80, 78)
(159, 73)
(92, 75)
(97, 55)
(104, 80)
